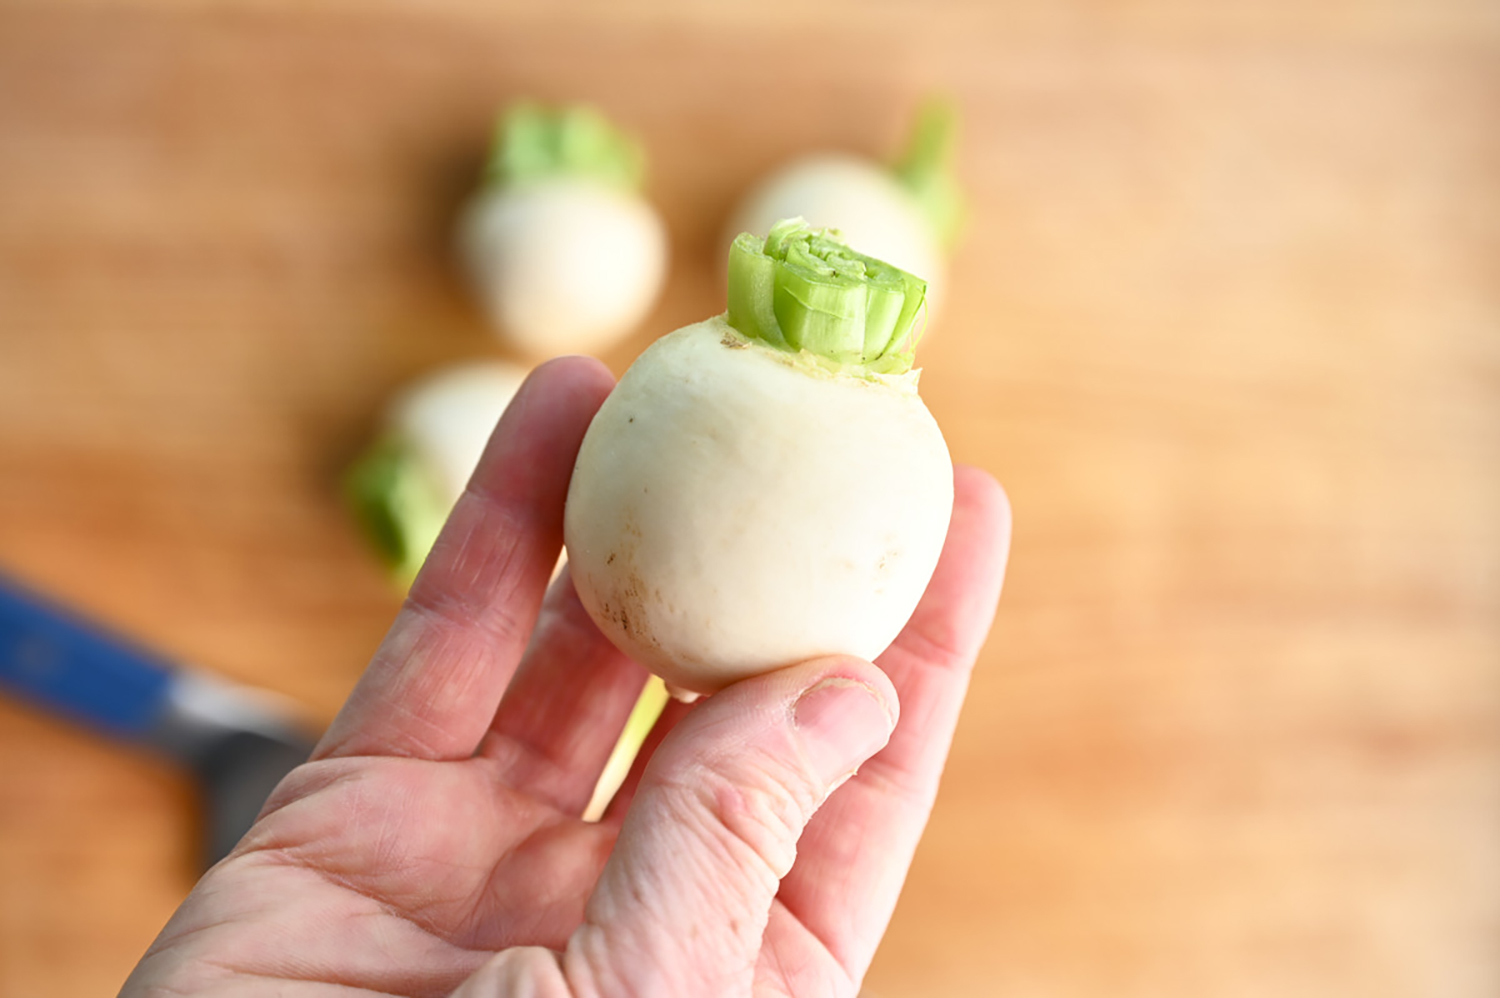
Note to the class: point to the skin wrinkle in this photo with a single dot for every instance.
(764, 820)
(484, 581)
(524, 972)
(724, 813)
(337, 880)
(417, 693)
(818, 954)
(910, 775)
(607, 942)
(307, 972)
(269, 836)
(339, 986)
(307, 780)
(393, 720)
(917, 648)
(389, 849)
(495, 893)
(689, 816)
(844, 847)
(586, 965)
(499, 630)
(494, 551)
(560, 753)
(422, 702)
(774, 955)
(162, 942)
(346, 971)
(299, 858)
(897, 783)
(164, 991)
(848, 974)
(516, 513)
(381, 910)
(525, 759)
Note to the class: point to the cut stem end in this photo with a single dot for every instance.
(804, 289)
(536, 143)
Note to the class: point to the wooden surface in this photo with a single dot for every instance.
(1226, 323)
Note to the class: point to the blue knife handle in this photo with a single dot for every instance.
(55, 660)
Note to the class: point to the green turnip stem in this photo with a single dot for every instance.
(926, 168)
(398, 505)
(643, 717)
(804, 290)
(535, 143)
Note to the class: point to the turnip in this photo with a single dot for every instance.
(765, 486)
(907, 214)
(562, 249)
(407, 481)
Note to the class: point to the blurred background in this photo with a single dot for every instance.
(1225, 321)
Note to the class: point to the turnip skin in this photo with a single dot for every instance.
(736, 508)
(447, 416)
(563, 265)
(863, 200)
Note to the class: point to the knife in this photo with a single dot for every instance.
(236, 741)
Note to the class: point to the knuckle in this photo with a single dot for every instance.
(754, 810)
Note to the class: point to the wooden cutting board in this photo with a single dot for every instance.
(1226, 322)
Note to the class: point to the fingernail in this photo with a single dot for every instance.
(843, 723)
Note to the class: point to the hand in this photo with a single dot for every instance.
(434, 842)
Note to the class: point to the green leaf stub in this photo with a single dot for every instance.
(538, 143)
(396, 503)
(926, 169)
(804, 289)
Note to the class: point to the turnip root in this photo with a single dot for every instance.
(405, 484)
(563, 251)
(907, 214)
(765, 486)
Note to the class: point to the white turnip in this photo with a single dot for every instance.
(562, 249)
(765, 486)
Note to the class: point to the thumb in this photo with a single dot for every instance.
(683, 902)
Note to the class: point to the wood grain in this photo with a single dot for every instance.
(1226, 323)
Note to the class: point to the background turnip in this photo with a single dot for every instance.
(405, 484)
(907, 213)
(562, 249)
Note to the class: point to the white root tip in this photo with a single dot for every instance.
(681, 695)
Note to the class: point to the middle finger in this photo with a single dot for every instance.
(563, 712)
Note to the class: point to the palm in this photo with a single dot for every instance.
(437, 824)
(430, 857)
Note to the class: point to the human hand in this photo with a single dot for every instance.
(434, 839)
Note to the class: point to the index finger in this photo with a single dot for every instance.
(433, 685)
